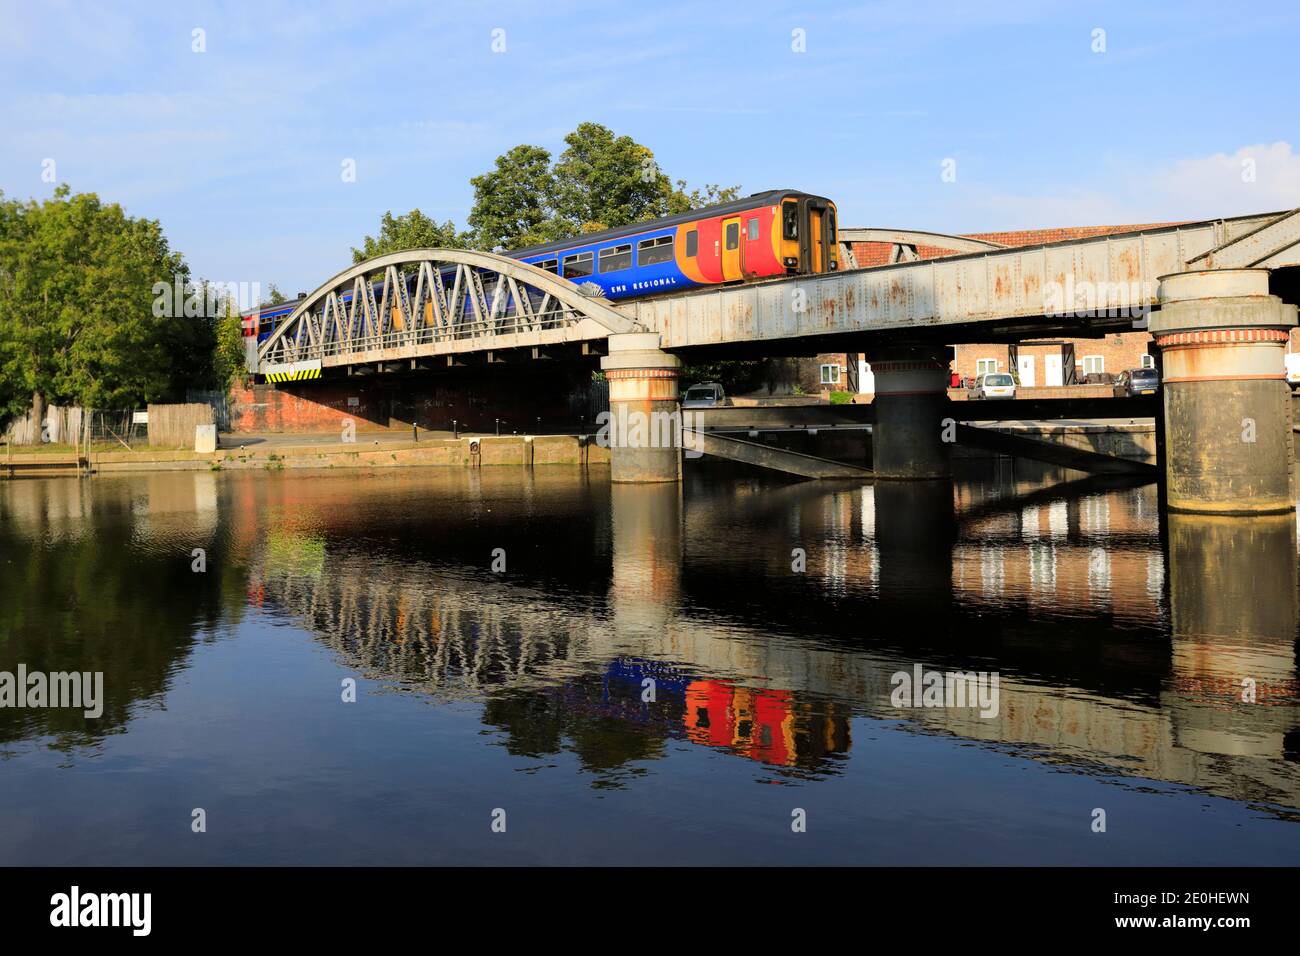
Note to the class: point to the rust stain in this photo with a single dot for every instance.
(849, 298)
(1129, 265)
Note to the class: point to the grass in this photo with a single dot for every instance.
(841, 398)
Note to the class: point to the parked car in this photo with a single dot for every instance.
(993, 385)
(1137, 381)
(704, 395)
(1293, 369)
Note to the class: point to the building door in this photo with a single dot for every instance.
(731, 249)
(1025, 366)
(866, 380)
(1052, 370)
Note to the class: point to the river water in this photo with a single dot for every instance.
(644, 675)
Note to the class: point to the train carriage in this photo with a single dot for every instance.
(776, 233)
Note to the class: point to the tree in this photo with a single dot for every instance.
(514, 203)
(228, 359)
(682, 201)
(599, 181)
(603, 180)
(78, 283)
(414, 230)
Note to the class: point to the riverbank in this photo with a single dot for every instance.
(517, 450)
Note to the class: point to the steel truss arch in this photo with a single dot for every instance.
(433, 301)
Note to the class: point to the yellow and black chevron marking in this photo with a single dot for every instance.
(293, 375)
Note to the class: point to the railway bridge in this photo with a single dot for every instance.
(1219, 297)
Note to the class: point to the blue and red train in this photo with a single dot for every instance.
(776, 233)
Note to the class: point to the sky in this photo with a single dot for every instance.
(235, 124)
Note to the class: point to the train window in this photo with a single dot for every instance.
(615, 258)
(692, 244)
(577, 266)
(752, 225)
(790, 220)
(733, 235)
(830, 222)
(651, 251)
(548, 265)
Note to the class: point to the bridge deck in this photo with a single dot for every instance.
(1100, 283)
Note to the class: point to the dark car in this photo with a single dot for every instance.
(1137, 381)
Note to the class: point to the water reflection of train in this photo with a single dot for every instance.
(775, 233)
(764, 724)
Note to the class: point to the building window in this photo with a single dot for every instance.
(1148, 361)
(752, 225)
(1094, 364)
(986, 366)
(616, 257)
(830, 375)
(578, 266)
(692, 244)
(652, 251)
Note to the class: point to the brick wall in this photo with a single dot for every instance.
(526, 400)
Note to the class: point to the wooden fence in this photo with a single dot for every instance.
(172, 426)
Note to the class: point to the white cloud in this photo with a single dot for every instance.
(1200, 187)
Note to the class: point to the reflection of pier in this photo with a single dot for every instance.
(787, 672)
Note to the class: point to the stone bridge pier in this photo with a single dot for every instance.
(1228, 423)
(907, 440)
(645, 426)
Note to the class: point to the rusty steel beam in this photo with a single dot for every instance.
(1109, 281)
(1272, 245)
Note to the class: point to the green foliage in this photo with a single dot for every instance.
(600, 181)
(514, 203)
(228, 353)
(414, 230)
(841, 398)
(736, 378)
(77, 294)
(275, 297)
(680, 200)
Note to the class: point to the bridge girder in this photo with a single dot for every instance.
(463, 301)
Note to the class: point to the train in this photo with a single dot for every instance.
(781, 232)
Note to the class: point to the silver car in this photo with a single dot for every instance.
(704, 395)
(993, 385)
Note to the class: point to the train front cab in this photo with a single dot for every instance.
(809, 235)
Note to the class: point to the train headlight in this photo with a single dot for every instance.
(791, 261)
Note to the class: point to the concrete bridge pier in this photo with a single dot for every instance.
(644, 431)
(1227, 406)
(907, 440)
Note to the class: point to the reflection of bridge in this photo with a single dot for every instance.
(463, 635)
(1220, 332)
